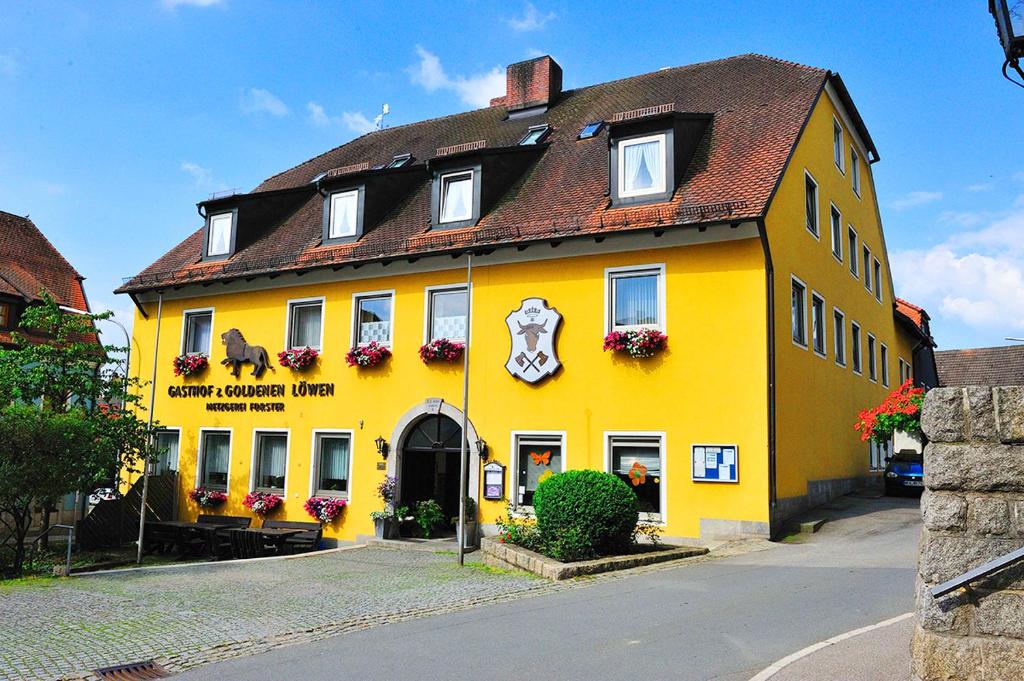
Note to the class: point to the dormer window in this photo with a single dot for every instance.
(535, 134)
(457, 197)
(220, 235)
(343, 215)
(641, 166)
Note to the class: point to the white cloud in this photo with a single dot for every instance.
(476, 90)
(258, 100)
(203, 176)
(532, 19)
(979, 187)
(916, 199)
(976, 276)
(353, 120)
(9, 64)
(172, 4)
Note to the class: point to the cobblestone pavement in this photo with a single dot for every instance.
(187, 616)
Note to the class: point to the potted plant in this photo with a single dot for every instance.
(261, 503)
(637, 343)
(428, 515)
(190, 364)
(441, 350)
(298, 359)
(899, 411)
(386, 522)
(325, 509)
(472, 525)
(369, 355)
(207, 498)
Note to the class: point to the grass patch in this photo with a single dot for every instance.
(490, 570)
(446, 552)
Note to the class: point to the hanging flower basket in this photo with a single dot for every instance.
(369, 355)
(298, 358)
(637, 343)
(190, 364)
(325, 509)
(207, 498)
(261, 503)
(441, 350)
(900, 410)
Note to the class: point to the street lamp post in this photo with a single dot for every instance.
(1009, 16)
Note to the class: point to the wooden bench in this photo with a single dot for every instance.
(217, 538)
(309, 540)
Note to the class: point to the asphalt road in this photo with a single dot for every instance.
(723, 620)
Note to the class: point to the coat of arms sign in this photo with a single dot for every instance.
(532, 329)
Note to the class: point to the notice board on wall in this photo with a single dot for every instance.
(715, 463)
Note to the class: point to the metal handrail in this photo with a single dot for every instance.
(983, 570)
(71, 541)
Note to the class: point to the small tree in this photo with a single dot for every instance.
(59, 366)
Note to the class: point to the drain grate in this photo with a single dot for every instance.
(133, 671)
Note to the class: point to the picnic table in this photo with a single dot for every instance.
(254, 542)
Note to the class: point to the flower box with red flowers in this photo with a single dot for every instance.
(369, 355)
(261, 503)
(441, 350)
(638, 343)
(190, 364)
(325, 509)
(298, 358)
(207, 498)
(900, 410)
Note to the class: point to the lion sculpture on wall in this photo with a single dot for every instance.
(240, 352)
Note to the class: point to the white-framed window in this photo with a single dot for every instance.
(798, 312)
(214, 459)
(818, 323)
(838, 145)
(877, 269)
(851, 239)
(855, 171)
(218, 240)
(866, 252)
(839, 335)
(639, 460)
(878, 453)
(642, 166)
(837, 232)
(872, 358)
(305, 323)
(344, 214)
(373, 315)
(447, 308)
(456, 196)
(855, 347)
(269, 460)
(811, 204)
(883, 358)
(167, 442)
(538, 455)
(197, 332)
(635, 297)
(332, 463)
(906, 371)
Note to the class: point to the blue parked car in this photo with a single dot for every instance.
(904, 472)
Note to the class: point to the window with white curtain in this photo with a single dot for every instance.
(344, 210)
(198, 332)
(373, 319)
(641, 166)
(333, 456)
(635, 297)
(537, 458)
(271, 460)
(166, 452)
(447, 313)
(456, 197)
(305, 321)
(214, 453)
(219, 237)
(637, 460)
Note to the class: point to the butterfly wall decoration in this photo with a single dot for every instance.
(543, 459)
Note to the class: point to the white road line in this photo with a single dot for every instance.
(774, 668)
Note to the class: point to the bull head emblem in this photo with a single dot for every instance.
(532, 356)
(532, 333)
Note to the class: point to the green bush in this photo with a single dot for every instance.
(585, 512)
(428, 515)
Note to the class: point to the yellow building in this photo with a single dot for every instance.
(727, 205)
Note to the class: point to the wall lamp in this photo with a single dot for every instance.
(382, 446)
(481, 448)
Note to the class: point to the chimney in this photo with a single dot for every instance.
(532, 83)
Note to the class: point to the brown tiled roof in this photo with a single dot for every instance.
(30, 264)
(912, 312)
(1003, 365)
(759, 106)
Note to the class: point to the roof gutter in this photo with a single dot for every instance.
(769, 276)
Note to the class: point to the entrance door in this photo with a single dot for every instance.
(430, 464)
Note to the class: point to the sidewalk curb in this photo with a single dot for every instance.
(776, 667)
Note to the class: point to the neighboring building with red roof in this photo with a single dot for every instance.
(29, 265)
(1000, 365)
(916, 321)
(729, 205)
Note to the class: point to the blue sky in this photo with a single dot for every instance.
(116, 118)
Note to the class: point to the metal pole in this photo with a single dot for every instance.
(463, 463)
(149, 430)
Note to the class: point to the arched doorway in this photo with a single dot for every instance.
(430, 464)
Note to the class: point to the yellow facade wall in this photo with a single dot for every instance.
(817, 399)
(710, 385)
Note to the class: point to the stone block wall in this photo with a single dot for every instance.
(973, 511)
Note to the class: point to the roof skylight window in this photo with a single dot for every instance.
(535, 134)
(399, 161)
(590, 129)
